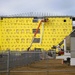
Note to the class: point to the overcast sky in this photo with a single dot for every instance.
(57, 7)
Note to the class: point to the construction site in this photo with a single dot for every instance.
(41, 45)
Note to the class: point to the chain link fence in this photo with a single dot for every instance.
(32, 63)
(13, 59)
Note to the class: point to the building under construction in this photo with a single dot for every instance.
(32, 45)
(17, 33)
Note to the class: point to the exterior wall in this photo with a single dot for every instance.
(72, 47)
(0, 33)
(16, 33)
(72, 43)
(72, 63)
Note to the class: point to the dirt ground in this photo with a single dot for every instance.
(44, 67)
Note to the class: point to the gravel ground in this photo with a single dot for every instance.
(44, 67)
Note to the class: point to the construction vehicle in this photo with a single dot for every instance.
(44, 20)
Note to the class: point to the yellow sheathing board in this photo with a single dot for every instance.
(17, 33)
(0, 33)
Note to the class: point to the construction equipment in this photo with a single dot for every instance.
(43, 20)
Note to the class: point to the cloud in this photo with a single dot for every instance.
(58, 7)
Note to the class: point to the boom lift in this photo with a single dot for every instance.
(43, 20)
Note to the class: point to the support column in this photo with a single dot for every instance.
(72, 61)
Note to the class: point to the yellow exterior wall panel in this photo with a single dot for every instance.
(17, 33)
